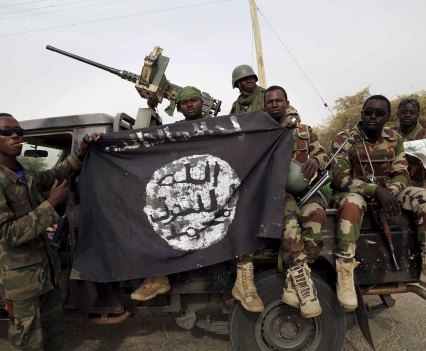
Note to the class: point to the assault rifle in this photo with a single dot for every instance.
(327, 172)
(381, 214)
(61, 232)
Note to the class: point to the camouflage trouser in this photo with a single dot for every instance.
(351, 208)
(351, 211)
(37, 324)
(302, 237)
(414, 199)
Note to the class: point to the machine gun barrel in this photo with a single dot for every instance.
(152, 83)
(132, 77)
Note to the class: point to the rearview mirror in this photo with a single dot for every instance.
(35, 153)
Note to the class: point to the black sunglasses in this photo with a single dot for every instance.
(408, 101)
(369, 111)
(9, 131)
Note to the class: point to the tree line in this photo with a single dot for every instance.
(348, 110)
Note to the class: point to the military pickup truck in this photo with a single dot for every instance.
(279, 327)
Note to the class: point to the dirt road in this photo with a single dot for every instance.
(401, 328)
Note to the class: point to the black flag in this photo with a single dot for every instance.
(176, 197)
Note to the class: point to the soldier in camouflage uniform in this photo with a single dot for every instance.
(251, 95)
(410, 129)
(29, 266)
(190, 103)
(302, 236)
(376, 169)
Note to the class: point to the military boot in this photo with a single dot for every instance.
(289, 295)
(305, 289)
(423, 273)
(345, 283)
(150, 288)
(244, 289)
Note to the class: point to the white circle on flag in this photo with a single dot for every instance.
(191, 201)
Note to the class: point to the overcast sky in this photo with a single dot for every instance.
(343, 46)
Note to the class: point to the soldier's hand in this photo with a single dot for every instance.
(58, 193)
(387, 201)
(85, 143)
(309, 168)
(289, 123)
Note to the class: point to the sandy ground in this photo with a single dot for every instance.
(401, 328)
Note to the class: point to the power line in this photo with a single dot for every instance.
(22, 3)
(295, 61)
(45, 7)
(116, 17)
(69, 9)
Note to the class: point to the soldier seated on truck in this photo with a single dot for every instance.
(376, 170)
(410, 129)
(190, 103)
(302, 237)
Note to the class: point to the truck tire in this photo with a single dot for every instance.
(281, 327)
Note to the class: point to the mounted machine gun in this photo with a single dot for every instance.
(152, 83)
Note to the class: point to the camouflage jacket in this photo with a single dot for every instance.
(25, 254)
(415, 166)
(306, 145)
(256, 103)
(387, 159)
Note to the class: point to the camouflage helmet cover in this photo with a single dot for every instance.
(242, 71)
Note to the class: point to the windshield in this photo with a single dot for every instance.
(41, 163)
(57, 147)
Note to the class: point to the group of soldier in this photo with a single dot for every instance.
(376, 170)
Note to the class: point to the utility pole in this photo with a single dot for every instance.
(258, 44)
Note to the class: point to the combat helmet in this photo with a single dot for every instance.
(242, 71)
(295, 182)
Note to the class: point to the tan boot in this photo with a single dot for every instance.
(306, 292)
(244, 289)
(289, 295)
(423, 273)
(150, 288)
(345, 283)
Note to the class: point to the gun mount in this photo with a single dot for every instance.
(152, 83)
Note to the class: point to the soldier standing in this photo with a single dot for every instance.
(190, 103)
(251, 95)
(302, 237)
(377, 169)
(29, 266)
(410, 129)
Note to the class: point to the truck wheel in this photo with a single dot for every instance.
(281, 327)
